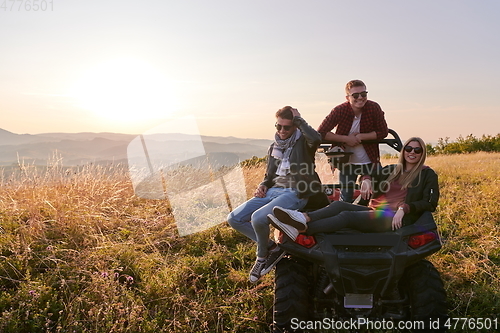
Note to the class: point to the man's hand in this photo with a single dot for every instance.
(367, 136)
(260, 192)
(397, 220)
(352, 140)
(295, 112)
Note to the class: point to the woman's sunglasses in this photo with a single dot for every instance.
(286, 128)
(417, 150)
(362, 94)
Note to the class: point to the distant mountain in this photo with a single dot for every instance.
(99, 148)
(73, 152)
(83, 148)
(85, 136)
(9, 138)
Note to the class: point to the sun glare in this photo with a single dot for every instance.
(125, 90)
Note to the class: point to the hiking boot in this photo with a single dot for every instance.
(291, 217)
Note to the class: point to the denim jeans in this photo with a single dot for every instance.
(250, 218)
(348, 175)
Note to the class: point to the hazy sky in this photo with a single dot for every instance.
(127, 66)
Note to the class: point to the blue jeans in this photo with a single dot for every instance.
(250, 218)
(348, 177)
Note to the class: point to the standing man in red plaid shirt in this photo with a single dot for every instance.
(358, 119)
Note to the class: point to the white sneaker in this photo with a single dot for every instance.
(287, 229)
(291, 217)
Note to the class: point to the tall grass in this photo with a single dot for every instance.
(469, 220)
(79, 252)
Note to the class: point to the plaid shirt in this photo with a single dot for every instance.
(372, 119)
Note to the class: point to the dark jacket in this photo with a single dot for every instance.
(302, 166)
(422, 195)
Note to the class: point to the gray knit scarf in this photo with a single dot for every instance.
(282, 150)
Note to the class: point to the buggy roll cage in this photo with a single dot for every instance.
(337, 157)
(395, 143)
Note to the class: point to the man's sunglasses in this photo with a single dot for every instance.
(362, 94)
(286, 128)
(418, 150)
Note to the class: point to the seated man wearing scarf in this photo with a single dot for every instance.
(289, 181)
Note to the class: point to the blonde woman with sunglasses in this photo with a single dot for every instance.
(399, 193)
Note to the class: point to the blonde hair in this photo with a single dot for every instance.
(354, 83)
(406, 178)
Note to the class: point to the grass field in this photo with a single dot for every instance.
(79, 252)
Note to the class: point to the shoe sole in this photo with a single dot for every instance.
(255, 276)
(285, 218)
(271, 266)
(254, 282)
(271, 220)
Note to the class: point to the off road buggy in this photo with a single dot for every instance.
(352, 281)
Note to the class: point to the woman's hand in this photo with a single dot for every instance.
(397, 220)
(366, 189)
(260, 192)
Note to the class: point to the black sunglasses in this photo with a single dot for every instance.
(418, 150)
(286, 128)
(362, 94)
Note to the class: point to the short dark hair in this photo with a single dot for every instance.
(285, 113)
(353, 83)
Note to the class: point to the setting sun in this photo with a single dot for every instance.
(125, 90)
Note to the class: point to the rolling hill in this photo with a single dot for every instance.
(83, 148)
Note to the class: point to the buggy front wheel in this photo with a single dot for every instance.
(291, 296)
(425, 289)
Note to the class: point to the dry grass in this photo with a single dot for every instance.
(469, 219)
(80, 252)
